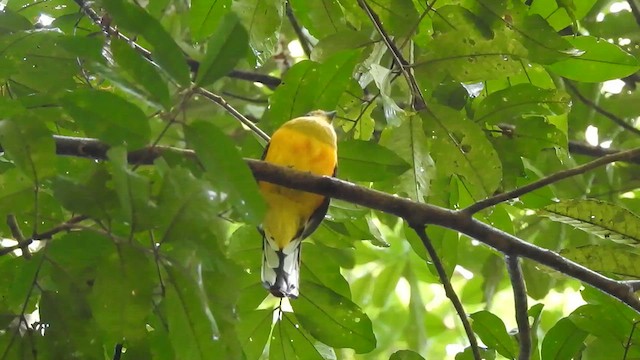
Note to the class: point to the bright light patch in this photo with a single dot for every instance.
(466, 274)
(606, 144)
(45, 20)
(591, 135)
(624, 41)
(628, 195)
(613, 86)
(600, 17)
(454, 349)
(619, 6)
(403, 290)
(295, 49)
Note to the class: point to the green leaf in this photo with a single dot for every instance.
(367, 161)
(609, 258)
(410, 143)
(262, 21)
(557, 15)
(109, 117)
(321, 18)
(245, 247)
(133, 192)
(493, 333)
(602, 321)
(121, 296)
(333, 319)
(205, 16)
(253, 331)
(27, 141)
(166, 53)
(599, 218)
(601, 61)
(290, 341)
(94, 198)
(226, 168)
(522, 100)
(194, 332)
(562, 341)
(405, 355)
(338, 42)
(12, 21)
(141, 71)
(460, 147)
(227, 46)
(320, 266)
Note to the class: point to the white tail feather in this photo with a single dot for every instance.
(281, 268)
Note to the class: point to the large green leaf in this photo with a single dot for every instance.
(322, 17)
(333, 319)
(227, 46)
(606, 258)
(601, 61)
(253, 331)
(405, 355)
(194, 332)
(226, 168)
(165, 51)
(562, 341)
(121, 296)
(522, 100)
(290, 341)
(493, 333)
(141, 71)
(262, 21)
(606, 220)
(460, 147)
(28, 142)
(109, 117)
(205, 16)
(367, 161)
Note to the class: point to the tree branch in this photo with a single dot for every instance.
(270, 81)
(561, 175)
(418, 101)
(520, 300)
(634, 10)
(611, 116)
(412, 212)
(298, 30)
(448, 289)
(579, 148)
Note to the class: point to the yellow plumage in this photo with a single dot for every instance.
(307, 143)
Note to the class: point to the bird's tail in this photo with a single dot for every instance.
(281, 268)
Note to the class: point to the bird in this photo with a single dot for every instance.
(307, 143)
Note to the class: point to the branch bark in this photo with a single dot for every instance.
(412, 212)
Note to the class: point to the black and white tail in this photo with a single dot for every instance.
(281, 268)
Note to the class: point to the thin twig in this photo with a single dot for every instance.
(17, 234)
(561, 175)
(304, 42)
(117, 352)
(448, 288)
(231, 110)
(418, 101)
(611, 116)
(521, 307)
(267, 80)
(628, 344)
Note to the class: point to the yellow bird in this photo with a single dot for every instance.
(306, 143)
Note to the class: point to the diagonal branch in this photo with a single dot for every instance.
(609, 115)
(270, 81)
(520, 300)
(418, 101)
(448, 289)
(561, 175)
(412, 212)
(304, 42)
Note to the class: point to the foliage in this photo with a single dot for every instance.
(163, 260)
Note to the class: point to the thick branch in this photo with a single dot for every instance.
(561, 175)
(412, 212)
(520, 300)
(448, 288)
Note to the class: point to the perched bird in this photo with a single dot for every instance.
(306, 143)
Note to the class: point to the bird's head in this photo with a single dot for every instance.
(325, 115)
